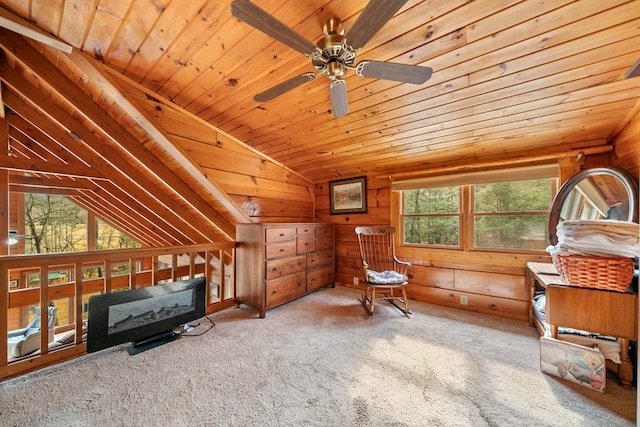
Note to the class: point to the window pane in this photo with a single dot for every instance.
(432, 230)
(54, 224)
(108, 237)
(441, 200)
(515, 196)
(511, 232)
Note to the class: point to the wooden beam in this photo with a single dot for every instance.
(551, 156)
(14, 23)
(112, 74)
(140, 234)
(91, 231)
(46, 182)
(115, 206)
(147, 123)
(19, 188)
(49, 146)
(91, 144)
(39, 166)
(4, 190)
(4, 245)
(91, 111)
(94, 201)
(142, 201)
(1, 104)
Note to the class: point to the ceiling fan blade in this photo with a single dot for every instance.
(372, 18)
(397, 72)
(338, 89)
(283, 87)
(259, 19)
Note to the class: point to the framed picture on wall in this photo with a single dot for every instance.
(348, 195)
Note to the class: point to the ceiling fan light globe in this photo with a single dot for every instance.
(335, 69)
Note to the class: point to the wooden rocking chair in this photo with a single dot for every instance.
(384, 273)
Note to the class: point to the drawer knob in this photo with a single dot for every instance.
(275, 291)
(281, 234)
(281, 250)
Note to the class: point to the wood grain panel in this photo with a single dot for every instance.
(430, 276)
(493, 284)
(620, 319)
(500, 307)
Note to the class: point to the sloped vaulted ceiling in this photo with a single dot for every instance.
(72, 140)
(110, 156)
(513, 81)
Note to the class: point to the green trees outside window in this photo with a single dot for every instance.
(432, 216)
(511, 215)
(501, 215)
(55, 224)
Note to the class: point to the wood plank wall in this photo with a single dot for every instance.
(626, 152)
(264, 189)
(494, 283)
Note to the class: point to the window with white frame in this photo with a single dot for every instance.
(499, 210)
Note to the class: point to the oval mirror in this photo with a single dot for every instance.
(595, 193)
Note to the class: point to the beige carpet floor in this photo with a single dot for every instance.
(320, 361)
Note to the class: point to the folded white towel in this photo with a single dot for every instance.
(598, 238)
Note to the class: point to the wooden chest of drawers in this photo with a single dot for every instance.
(277, 263)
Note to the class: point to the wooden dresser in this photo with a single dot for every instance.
(277, 263)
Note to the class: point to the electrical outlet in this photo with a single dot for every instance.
(355, 280)
(463, 300)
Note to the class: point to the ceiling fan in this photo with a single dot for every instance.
(335, 53)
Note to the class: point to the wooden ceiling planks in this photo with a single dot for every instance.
(510, 78)
(483, 53)
(75, 21)
(310, 124)
(188, 43)
(436, 120)
(212, 150)
(49, 13)
(124, 165)
(96, 163)
(422, 55)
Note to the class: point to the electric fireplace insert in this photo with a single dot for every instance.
(146, 317)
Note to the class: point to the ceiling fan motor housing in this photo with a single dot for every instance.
(336, 56)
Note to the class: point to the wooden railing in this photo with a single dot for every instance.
(74, 277)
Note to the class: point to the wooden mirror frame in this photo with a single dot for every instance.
(627, 180)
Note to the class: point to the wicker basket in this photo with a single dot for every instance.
(610, 273)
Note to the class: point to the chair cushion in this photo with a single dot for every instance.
(387, 277)
(67, 338)
(21, 346)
